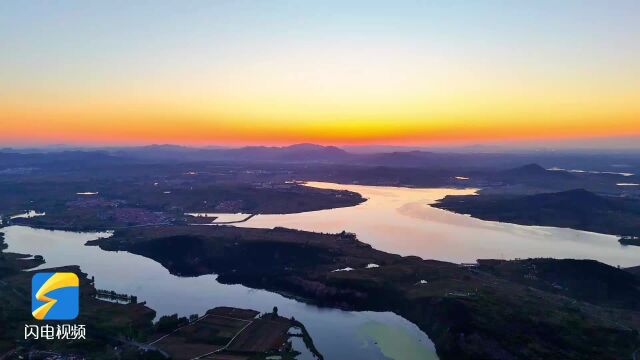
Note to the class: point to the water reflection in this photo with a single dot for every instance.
(396, 220)
(28, 214)
(394, 343)
(336, 333)
(400, 220)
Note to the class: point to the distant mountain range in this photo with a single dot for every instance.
(293, 153)
(312, 153)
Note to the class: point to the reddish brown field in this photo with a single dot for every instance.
(227, 331)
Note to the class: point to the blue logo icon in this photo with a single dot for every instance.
(55, 296)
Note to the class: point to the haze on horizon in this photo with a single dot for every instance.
(329, 72)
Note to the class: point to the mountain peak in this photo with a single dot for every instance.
(574, 199)
(310, 147)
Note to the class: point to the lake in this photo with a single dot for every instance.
(396, 220)
(400, 220)
(337, 334)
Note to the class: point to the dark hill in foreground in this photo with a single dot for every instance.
(496, 310)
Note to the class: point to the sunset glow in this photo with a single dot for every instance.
(242, 72)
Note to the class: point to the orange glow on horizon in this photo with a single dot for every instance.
(225, 132)
(282, 115)
(402, 73)
(191, 123)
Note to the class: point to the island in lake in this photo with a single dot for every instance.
(492, 309)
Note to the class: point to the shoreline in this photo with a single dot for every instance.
(15, 273)
(444, 309)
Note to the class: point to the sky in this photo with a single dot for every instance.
(330, 72)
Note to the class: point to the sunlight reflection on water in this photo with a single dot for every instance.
(400, 220)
